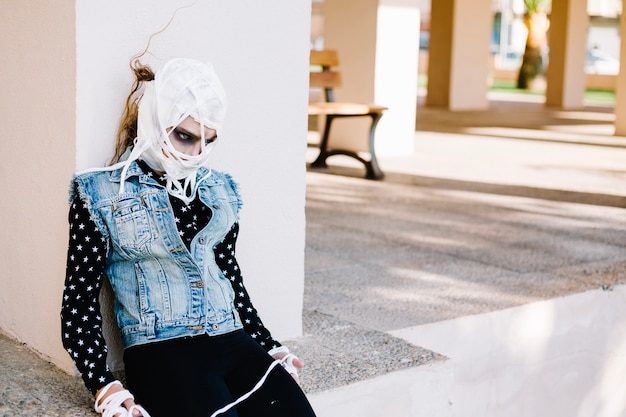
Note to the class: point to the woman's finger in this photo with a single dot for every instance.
(298, 363)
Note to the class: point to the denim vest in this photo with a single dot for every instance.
(162, 289)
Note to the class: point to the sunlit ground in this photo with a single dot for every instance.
(591, 97)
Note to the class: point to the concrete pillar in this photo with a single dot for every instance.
(64, 77)
(440, 53)
(458, 65)
(37, 114)
(378, 44)
(397, 52)
(620, 90)
(565, 75)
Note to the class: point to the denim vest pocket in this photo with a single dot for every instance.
(132, 231)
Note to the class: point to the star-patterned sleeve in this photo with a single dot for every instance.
(81, 323)
(252, 324)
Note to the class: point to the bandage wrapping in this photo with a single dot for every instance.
(287, 360)
(181, 88)
(113, 404)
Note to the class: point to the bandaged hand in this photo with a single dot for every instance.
(113, 400)
(288, 360)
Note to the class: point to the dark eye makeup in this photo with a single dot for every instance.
(184, 136)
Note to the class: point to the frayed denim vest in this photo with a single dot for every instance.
(162, 289)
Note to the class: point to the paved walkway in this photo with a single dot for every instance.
(494, 209)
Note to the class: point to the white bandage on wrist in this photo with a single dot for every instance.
(287, 360)
(112, 405)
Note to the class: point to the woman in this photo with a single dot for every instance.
(163, 229)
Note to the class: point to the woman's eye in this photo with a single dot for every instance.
(182, 136)
(210, 140)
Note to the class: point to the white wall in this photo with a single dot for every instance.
(260, 51)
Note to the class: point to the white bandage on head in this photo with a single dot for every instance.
(182, 88)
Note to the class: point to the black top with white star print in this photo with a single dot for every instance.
(86, 260)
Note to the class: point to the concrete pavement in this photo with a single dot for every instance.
(474, 221)
(494, 215)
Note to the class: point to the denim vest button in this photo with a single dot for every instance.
(215, 326)
(201, 241)
(197, 284)
(216, 207)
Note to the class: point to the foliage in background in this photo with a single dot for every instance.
(537, 23)
(591, 97)
(534, 6)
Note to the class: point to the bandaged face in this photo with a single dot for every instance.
(180, 115)
(180, 112)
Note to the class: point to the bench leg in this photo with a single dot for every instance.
(320, 161)
(372, 168)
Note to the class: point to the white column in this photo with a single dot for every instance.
(458, 67)
(471, 34)
(237, 38)
(37, 80)
(377, 42)
(620, 91)
(397, 52)
(65, 76)
(568, 41)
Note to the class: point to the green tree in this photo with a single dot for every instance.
(537, 23)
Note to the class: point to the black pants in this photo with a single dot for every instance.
(194, 377)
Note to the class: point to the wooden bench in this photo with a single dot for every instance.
(327, 79)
